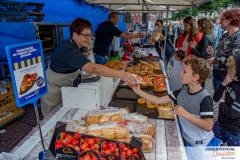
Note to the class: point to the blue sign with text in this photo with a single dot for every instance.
(26, 64)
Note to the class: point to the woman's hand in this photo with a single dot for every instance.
(193, 44)
(210, 50)
(129, 79)
(210, 60)
(178, 110)
(227, 80)
(182, 48)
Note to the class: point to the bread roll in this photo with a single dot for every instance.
(116, 118)
(91, 119)
(121, 132)
(103, 119)
(97, 133)
(108, 133)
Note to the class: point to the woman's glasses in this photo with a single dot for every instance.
(86, 35)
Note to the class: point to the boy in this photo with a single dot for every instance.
(194, 106)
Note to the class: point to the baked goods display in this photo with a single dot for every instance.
(105, 115)
(165, 111)
(27, 83)
(118, 65)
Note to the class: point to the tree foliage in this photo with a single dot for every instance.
(206, 8)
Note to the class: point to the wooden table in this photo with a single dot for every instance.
(168, 141)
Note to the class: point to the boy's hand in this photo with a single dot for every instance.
(227, 80)
(178, 110)
(136, 88)
(210, 50)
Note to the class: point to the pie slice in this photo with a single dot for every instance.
(27, 82)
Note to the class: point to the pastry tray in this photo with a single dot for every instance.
(133, 106)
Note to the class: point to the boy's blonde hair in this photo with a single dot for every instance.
(232, 66)
(199, 66)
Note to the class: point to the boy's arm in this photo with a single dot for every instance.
(154, 99)
(232, 112)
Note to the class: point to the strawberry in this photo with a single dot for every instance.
(62, 135)
(59, 145)
(92, 147)
(129, 153)
(75, 142)
(104, 146)
(135, 150)
(86, 157)
(93, 157)
(124, 149)
(97, 140)
(83, 147)
(97, 146)
(67, 140)
(77, 135)
(91, 142)
(97, 151)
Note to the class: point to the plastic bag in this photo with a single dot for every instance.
(141, 128)
(105, 115)
(135, 117)
(111, 130)
(77, 126)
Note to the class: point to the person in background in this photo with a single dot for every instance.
(171, 32)
(66, 61)
(217, 32)
(229, 44)
(180, 29)
(227, 127)
(179, 55)
(189, 34)
(205, 26)
(170, 49)
(194, 107)
(104, 35)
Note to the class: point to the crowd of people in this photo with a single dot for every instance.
(201, 45)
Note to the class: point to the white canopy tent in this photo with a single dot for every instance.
(146, 5)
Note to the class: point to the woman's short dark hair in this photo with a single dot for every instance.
(160, 21)
(78, 25)
(234, 15)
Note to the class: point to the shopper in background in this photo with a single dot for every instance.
(229, 44)
(205, 26)
(180, 30)
(66, 61)
(189, 34)
(170, 49)
(217, 32)
(194, 107)
(104, 35)
(227, 127)
(171, 32)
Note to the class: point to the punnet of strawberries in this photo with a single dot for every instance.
(110, 147)
(88, 157)
(65, 139)
(128, 151)
(90, 144)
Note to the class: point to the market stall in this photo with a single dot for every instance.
(166, 144)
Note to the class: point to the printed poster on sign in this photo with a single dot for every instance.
(26, 65)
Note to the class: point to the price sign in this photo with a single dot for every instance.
(26, 64)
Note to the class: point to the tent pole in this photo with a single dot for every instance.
(165, 40)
